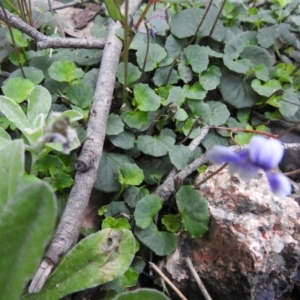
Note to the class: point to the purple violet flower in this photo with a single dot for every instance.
(263, 154)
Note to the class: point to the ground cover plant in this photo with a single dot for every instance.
(129, 112)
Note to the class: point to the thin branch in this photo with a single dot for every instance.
(198, 279)
(165, 190)
(44, 41)
(69, 227)
(167, 280)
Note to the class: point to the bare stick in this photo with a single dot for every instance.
(167, 187)
(165, 190)
(198, 279)
(44, 41)
(167, 280)
(69, 227)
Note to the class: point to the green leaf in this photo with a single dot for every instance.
(64, 71)
(236, 45)
(113, 7)
(49, 164)
(171, 222)
(115, 208)
(196, 91)
(180, 156)
(155, 169)
(146, 209)
(108, 171)
(128, 279)
(72, 115)
(242, 66)
(116, 224)
(97, 259)
(212, 139)
(155, 146)
(130, 174)
(21, 39)
(13, 113)
(266, 89)
(266, 36)
(133, 73)
(17, 89)
(80, 95)
(135, 119)
(59, 181)
(210, 78)
(39, 102)
(257, 56)
(219, 113)
(185, 73)
(124, 140)
(31, 73)
(114, 125)
(287, 108)
(197, 57)
(236, 90)
(146, 99)
(155, 55)
(262, 72)
(134, 194)
(193, 211)
(190, 125)
(185, 23)
(160, 242)
(174, 46)
(11, 169)
(162, 73)
(145, 294)
(176, 96)
(29, 216)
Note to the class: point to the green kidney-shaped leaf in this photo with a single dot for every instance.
(145, 294)
(11, 169)
(171, 222)
(197, 57)
(193, 211)
(146, 209)
(135, 119)
(196, 91)
(49, 164)
(31, 73)
(146, 98)
(29, 217)
(97, 259)
(108, 171)
(124, 140)
(236, 90)
(160, 242)
(133, 73)
(210, 78)
(114, 125)
(17, 89)
(185, 23)
(257, 55)
(130, 174)
(39, 102)
(128, 279)
(180, 156)
(116, 224)
(133, 194)
(80, 95)
(155, 55)
(219, 113)
(266, 89)
(155, 146)
(64, 71)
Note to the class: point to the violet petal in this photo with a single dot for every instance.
(220, 154)
(280, 184)
(265, 153)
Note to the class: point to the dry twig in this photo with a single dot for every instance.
(44, 41)
(198, 279)
(68, 229)
(167, 280)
